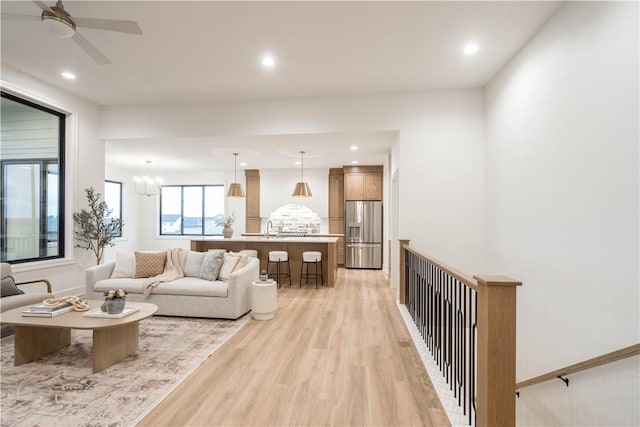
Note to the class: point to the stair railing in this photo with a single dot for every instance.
(469, 326)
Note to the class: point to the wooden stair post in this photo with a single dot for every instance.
(496, 376)
(401, 272)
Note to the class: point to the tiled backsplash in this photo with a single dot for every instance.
(295, 219)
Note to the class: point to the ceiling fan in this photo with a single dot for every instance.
(63, 25)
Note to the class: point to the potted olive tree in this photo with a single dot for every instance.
(95, 228)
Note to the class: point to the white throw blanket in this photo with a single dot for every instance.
(174, 269)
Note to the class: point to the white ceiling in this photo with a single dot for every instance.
(206, 50)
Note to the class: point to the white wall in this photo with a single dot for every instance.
(84, 168)
(440, 147)
(562, 209)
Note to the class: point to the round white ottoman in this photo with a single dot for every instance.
(264, 300)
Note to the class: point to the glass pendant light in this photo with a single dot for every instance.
(302, 188)
(235, 189)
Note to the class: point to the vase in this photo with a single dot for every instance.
(227, 232)
(114, 305)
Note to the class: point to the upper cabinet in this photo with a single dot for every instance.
(362, 182)
(253, 220)
(336, 193)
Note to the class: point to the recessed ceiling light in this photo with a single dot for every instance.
(298, 163)
(470, 48)
(268, 61)
(243, 164)
(68, 75)
(353, 148)
(355, 162)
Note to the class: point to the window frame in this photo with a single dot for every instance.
(42, 241)
(119, 183)
(182, 187)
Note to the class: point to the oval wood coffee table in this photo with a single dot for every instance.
(113, 339)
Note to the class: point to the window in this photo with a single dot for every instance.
(191, 210)
(113, 199)
(32, 190)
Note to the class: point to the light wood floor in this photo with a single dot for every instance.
(331, 357)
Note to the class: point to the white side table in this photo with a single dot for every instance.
(264, 300)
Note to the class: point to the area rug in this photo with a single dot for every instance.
(61, 390)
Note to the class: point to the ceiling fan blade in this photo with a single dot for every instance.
(130, 27)
(42, 5)
(90, 49)
(20, 17)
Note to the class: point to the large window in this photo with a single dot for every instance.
(113, 199)
(31, 194)
(191, 210)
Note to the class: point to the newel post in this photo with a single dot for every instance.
(496, 387)
(402, 272)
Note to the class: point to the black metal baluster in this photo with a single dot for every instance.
(423, 291)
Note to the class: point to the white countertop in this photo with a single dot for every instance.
(274, 239)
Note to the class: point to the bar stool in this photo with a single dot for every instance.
(277, 258)
(250, 252)
(309, 258)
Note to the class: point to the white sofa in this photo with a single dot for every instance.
(187, 296)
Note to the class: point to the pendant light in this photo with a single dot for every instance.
(302, 188)
(147, 185)
(235, 189)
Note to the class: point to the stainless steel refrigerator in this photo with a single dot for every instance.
(363, 234)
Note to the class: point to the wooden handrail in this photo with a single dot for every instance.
(614, 356)
(462, 277)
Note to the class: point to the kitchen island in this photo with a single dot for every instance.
(295, 246)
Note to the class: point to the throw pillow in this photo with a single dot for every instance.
(211, 264)
(230, 262)
(244, 259)
(193, 263)
(233, 261)
(125, 265)
(149, 264)
(9, 287)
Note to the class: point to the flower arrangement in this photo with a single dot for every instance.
(226, 221)
(120, 293)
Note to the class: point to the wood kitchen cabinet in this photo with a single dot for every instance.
(336, 209)
(372, 186)
(253, 221)
(362, 182)
(336, 194)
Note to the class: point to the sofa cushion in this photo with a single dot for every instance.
(211, 264)
(125, 265)
(132, 286)
(193, 263)
(9, 287)
(149, 264)
(193, 287)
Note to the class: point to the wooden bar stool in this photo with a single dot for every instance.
(279, 258)
(311, 258)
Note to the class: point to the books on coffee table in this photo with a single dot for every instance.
(49, 308)
(96, 312)
(47, 313)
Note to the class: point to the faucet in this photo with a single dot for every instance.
(269, 225)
